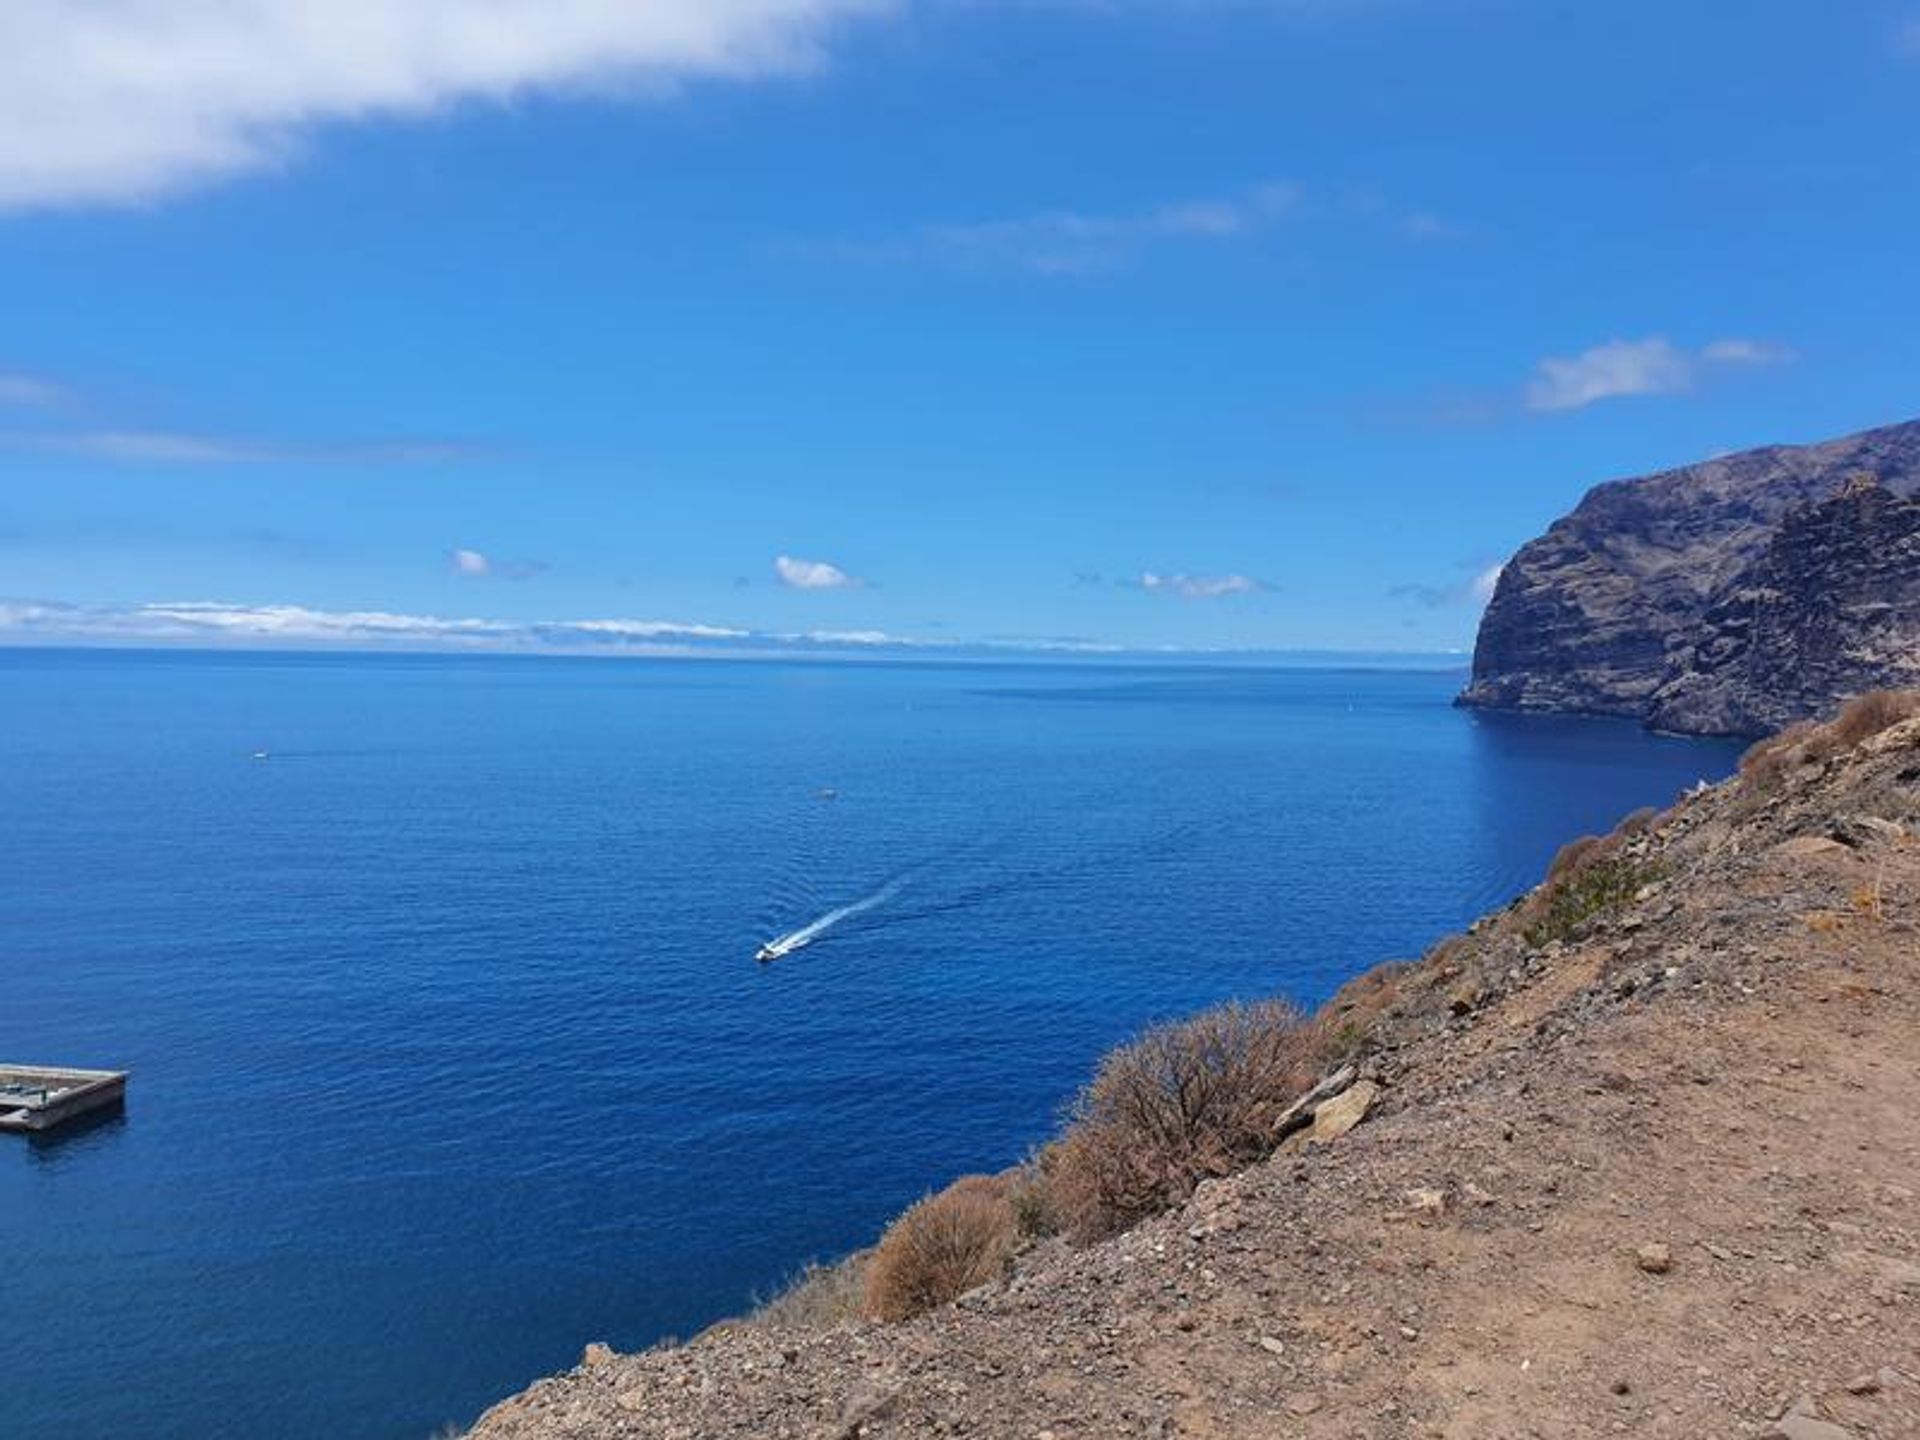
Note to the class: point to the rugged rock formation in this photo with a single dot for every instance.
(1642, 1165)
(1831, 607)
(1608, 612)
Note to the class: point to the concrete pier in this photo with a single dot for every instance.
(37, 1098)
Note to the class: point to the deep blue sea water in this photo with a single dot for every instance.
(449, 1048)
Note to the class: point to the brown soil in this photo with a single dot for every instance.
(1662, 1179)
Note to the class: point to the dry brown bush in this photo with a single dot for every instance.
(1639, 822)
(943, 1247)
(1183, 1102)
(1867, 715)
(1767, 761)
(1030, 1193)
(818, 1296)
(1341, 1027)
(1575, 856)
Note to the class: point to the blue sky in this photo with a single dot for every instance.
(700, 322)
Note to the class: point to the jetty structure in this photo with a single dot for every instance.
(37, 1098)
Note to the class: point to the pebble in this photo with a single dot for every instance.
(1655, 1259)
(1798, 1426)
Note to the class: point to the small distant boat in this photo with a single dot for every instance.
(826, 792)
(260, 755)
(784, 945)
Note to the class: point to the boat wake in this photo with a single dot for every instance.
(799, 939)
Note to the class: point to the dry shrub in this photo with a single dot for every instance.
(1030, 1193)
(943, 1247)
(1575, 856)
(1341, 1028)
(1868, 901)
(1184, 1102)
(1639, 822)
(1768, 761)
(1599, 886)
(818, 1296)
(1806, 743)
(1867, 715)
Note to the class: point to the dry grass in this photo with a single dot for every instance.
(1877, 710)
(1184, 1102)
(943, 1247)
(1030, 1193)
(1341, 1028)
(1764, 766)
(818, 1296)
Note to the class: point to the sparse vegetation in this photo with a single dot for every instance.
(1589, 877)
(1765, 765)
(1030, 1192)
(818, 1295)
(943, 1247)
(1344, 1024)
(1865, 717)
(1183, 1102)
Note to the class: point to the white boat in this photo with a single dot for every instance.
(774, 949)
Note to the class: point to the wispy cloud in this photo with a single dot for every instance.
(478, 565)
(1072, 241)
(1475, 590)
(29, 391)
(798, 574)
(1654, 366)
(1078, 242)
(1198, 587)
(175, 447)
(121, 101)
(1748, 352)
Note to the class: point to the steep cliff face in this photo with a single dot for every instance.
(1608, 612)
(1831, 607)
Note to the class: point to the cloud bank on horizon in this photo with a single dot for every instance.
(215, 623)
(124, 101)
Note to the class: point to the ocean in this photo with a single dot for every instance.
(436, 976)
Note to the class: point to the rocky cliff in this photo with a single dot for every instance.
(1726, 597)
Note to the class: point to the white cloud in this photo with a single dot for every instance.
(209, 622)
(173, 447)
(1482, 586)
(1619, 367)
(202, 623)
(1073, 242)
(1748, 352)
(1654, 366)
(29, 390)
(812, 574)
(478, 565)
(1198, 587)
(129, 100)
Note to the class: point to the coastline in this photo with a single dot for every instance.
(1548, 1086)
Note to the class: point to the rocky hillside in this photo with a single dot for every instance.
(1637, 1156)
(1677, 599)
